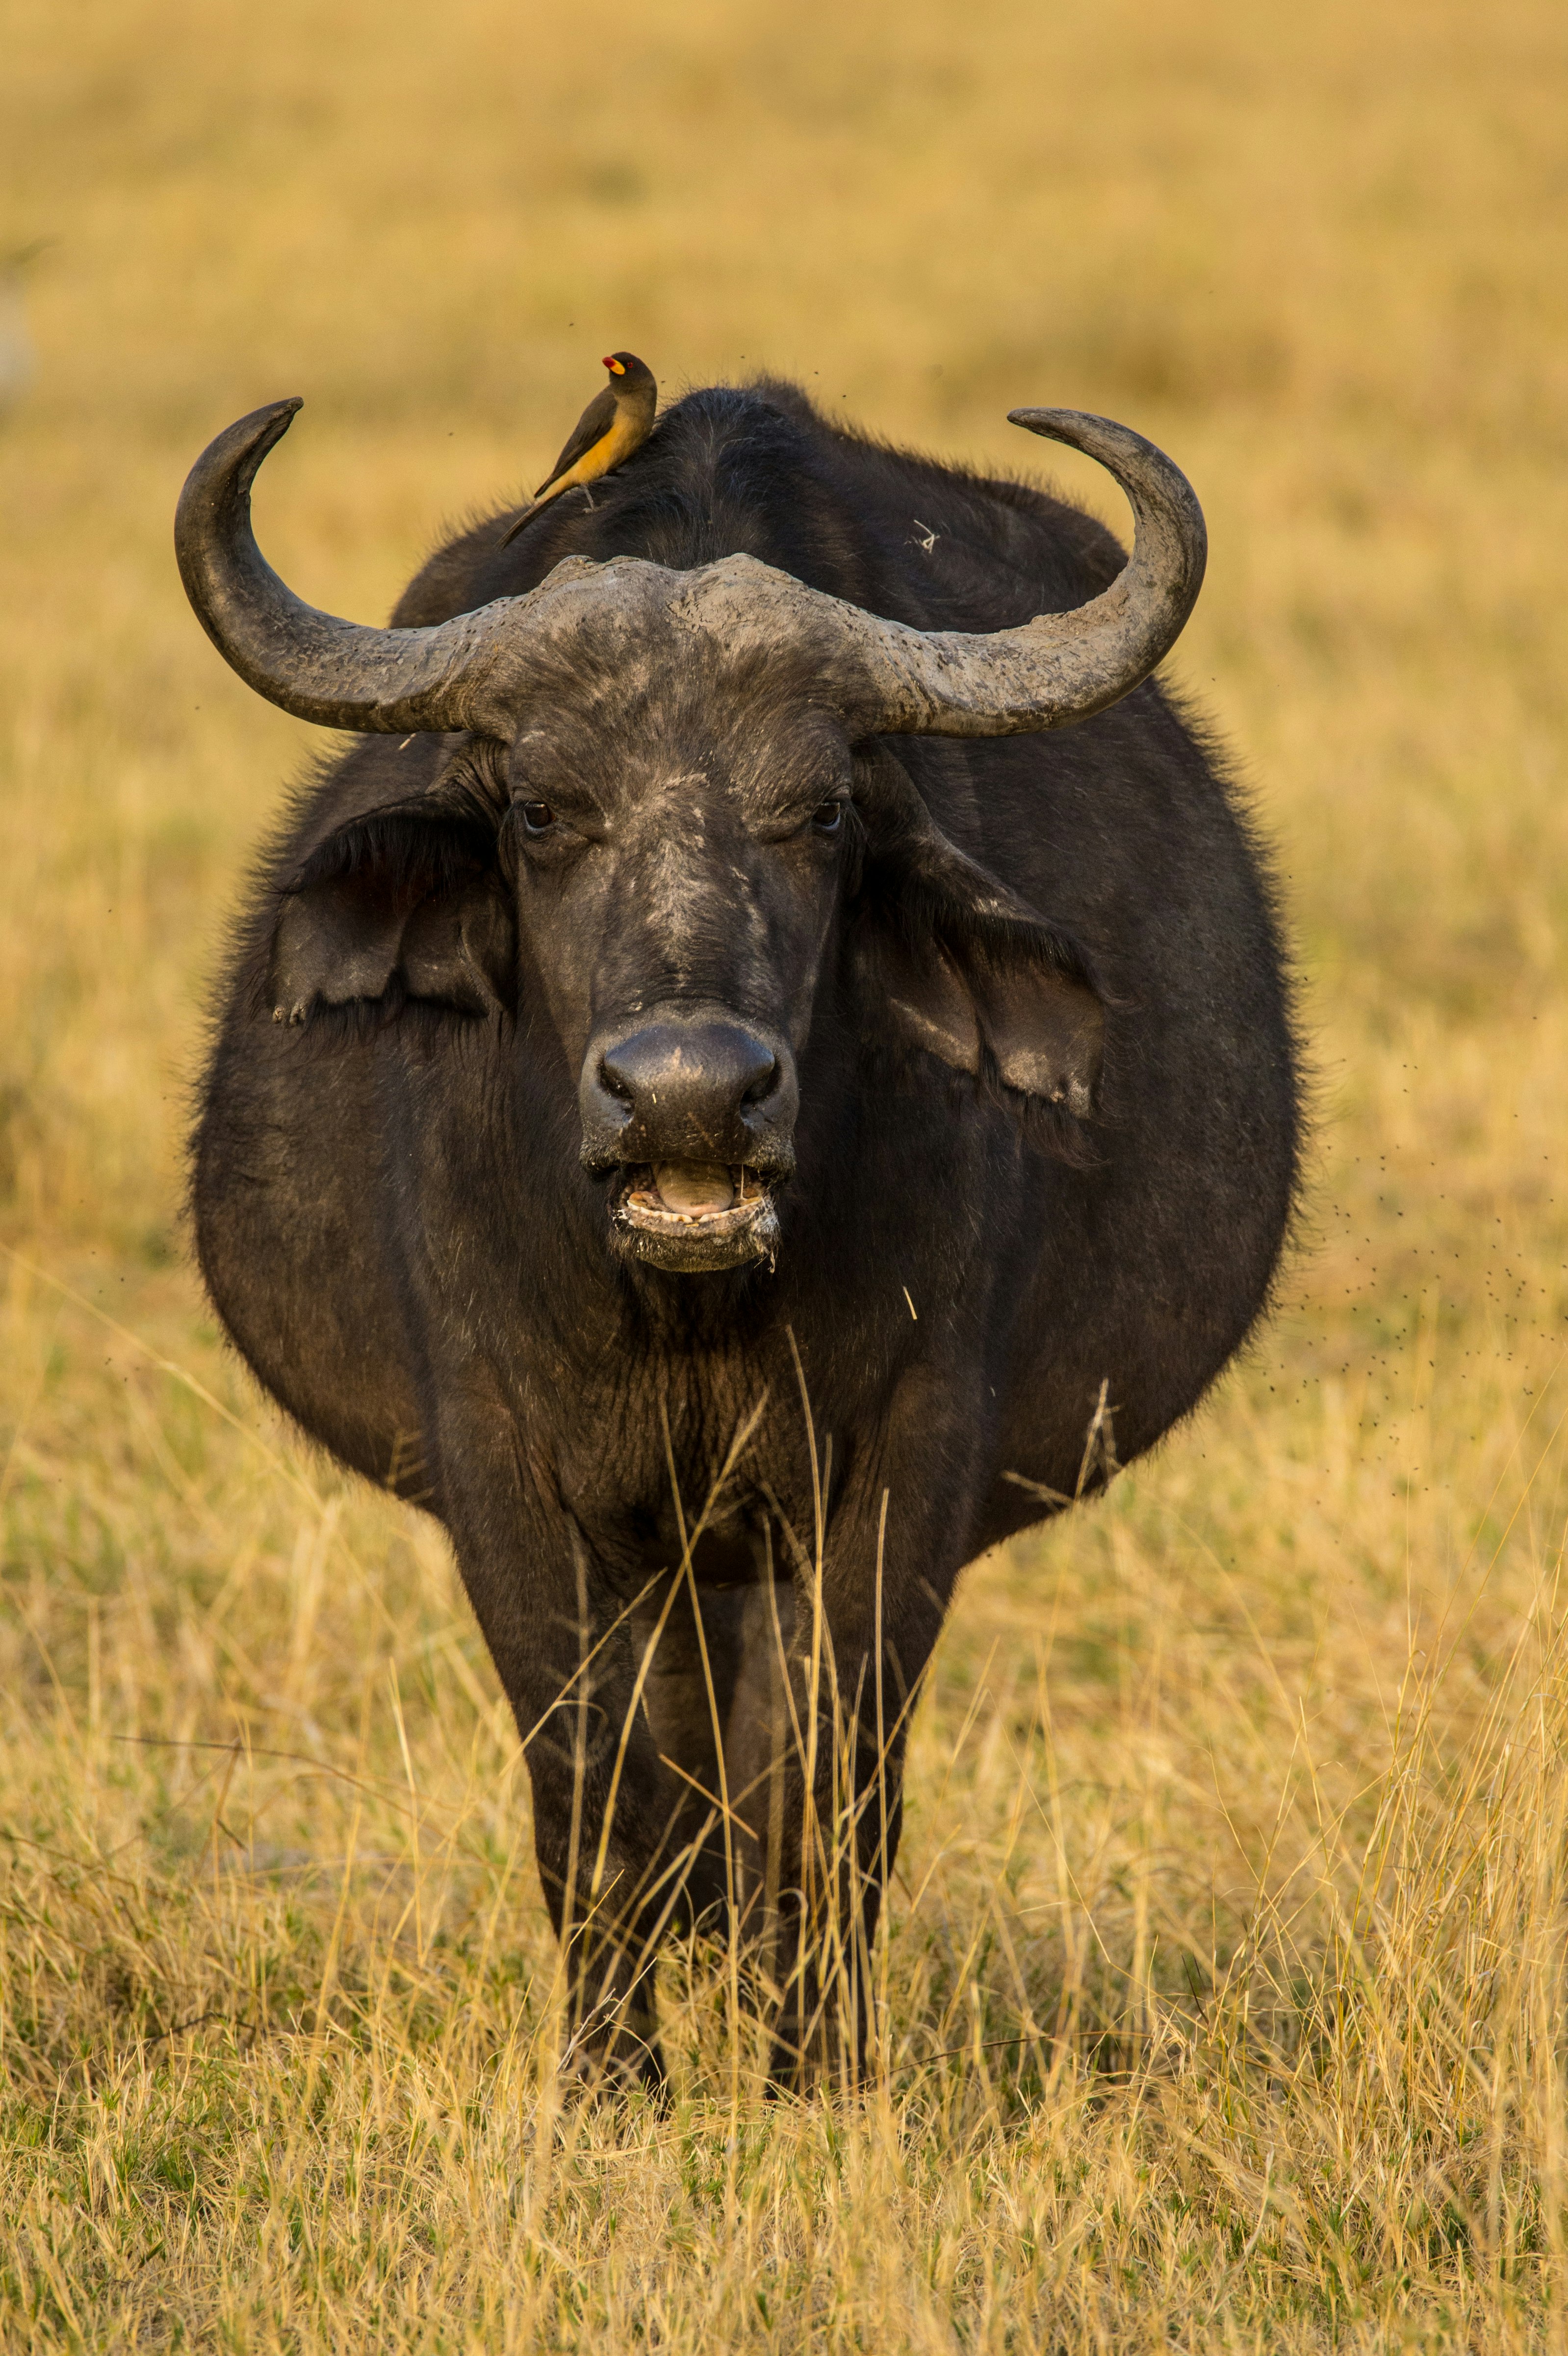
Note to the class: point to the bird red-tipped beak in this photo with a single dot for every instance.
(616, 368)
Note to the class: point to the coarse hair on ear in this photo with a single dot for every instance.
(950, 961)
(404, 903)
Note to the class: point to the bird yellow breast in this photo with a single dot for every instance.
(607, 452)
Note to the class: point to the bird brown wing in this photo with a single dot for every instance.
(591, 426)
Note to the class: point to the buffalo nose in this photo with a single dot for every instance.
(690, 1084)
(693, 1087)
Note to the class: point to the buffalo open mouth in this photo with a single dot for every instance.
(694, 1215)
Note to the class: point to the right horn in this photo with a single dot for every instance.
(1060, 667)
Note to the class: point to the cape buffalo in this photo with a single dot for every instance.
(766, 1070)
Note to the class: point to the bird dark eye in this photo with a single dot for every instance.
(827, 816)
(537, 817)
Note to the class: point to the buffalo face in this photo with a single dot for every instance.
(676, 888)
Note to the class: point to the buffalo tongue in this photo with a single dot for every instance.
(694, 1187)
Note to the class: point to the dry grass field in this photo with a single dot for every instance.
(1225, 1982)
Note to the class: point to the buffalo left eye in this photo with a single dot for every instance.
(537, 817)
(827, 816)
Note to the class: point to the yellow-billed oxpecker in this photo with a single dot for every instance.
(615, 422)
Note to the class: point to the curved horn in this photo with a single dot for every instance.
(340, 674)
(1059, 666)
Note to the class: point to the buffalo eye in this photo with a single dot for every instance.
(538, 818)
(827, 818)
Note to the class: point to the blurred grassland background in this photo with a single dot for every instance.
(1225, 1981)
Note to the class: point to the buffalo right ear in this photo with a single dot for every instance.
(958, 965)
(406, 903)
(1013, 1009)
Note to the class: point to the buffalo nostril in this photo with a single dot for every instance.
(763, 1085)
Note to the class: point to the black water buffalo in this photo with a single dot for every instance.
(751, 1083)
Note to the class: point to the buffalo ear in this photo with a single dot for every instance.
(1045, 1029)
(403, 904)
(1038, 1025)
(959, 964)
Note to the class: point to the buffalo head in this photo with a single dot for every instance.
(664, 795)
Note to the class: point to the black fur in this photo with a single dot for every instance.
(395, 1227)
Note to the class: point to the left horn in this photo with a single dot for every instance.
(339, 674)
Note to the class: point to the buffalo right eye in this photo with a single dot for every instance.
(537, 817)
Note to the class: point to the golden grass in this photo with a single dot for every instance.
(1225, 1977)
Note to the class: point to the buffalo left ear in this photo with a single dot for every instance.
(960, 966)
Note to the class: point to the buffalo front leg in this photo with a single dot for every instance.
(605, 1823)
(849, 1641)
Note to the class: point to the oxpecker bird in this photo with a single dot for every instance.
(615, 422)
